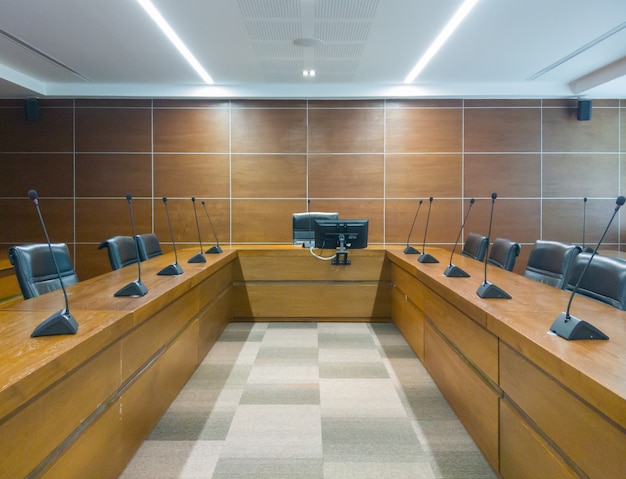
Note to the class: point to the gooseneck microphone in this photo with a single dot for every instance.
(487, 289)
(571, 327)
(172, 269)
(409, 249)
(586, 249)
(61, 322)
(425, 257)
(453, 271)
(217, 249)
(198, 257)
(135, 288)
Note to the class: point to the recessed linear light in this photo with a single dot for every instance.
(175, 39)
(441, 39)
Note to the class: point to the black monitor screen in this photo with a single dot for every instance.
(304, 226)
(346, 234)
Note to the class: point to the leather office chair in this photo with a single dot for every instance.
(122, 251)
(475, 246)
(504, 253)
(550, 261)
(35, 270)
(149, 246)
(604, 281)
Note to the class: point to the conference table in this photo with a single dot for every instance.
(536, 404)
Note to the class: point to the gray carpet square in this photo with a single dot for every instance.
(273, 468)
(353, 370)
(281, 394)
(346, 340)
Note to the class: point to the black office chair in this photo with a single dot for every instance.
(35, 270)
(504, 253)
(550, 261)
(148, 245)
(604, 281)
(475, 246)
(122, 251)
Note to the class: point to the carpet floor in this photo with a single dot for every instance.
(309, 400)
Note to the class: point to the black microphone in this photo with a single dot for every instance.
(585, 249)
(215, 249)
(198, 257)
(135, 288)
(425, 257)
(571, 327)
(487, 289)
(172, 269)
(453, 271)
(311, 242)
(409, 249)
(61, 322)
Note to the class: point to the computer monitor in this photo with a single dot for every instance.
(341, 235)
(304, 226)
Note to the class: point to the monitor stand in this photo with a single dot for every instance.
(341, 255)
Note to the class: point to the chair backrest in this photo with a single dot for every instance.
(148, 245)
(550, 261)
(504, 253)
(605, 280)
(475, 246)
(35, 270)
(122, 251)
(303, 225)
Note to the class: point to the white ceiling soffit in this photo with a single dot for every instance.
(504, 48)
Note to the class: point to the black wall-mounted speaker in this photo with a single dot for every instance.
(31, 109)
(584, 110)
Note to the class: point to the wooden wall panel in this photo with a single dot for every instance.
(503, 130)
(510, 175)
(346, 130)
(411, 176)
(113, 129)
(563, 220)
(262, 221)
(268, 176)
(258, 161)
(187, 175)
(346, 176)
(113, 175)
(191, 130)
(49, 174)
(424, 130)
(184, 222)
(20, 221)
(51, 133)
(99, 219)
(563, 132)
(580, 175)
(268, 130)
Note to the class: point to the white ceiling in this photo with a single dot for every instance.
(111, 48)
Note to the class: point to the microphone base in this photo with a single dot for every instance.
(197, 258)
(171, 270)
(61, 322)
(427, 258)
(574, 328)
(136, 288)
(214, 250)
(410, 250)
(453, 271)
(490, 290)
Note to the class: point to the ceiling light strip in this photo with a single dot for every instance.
(575, 53)
(175, 39)
(448, 30)
(43, 55)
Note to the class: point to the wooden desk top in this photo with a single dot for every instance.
(30, 365)
(595, 370)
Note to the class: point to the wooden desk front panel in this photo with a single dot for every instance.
(290, 284)
(471, 398)
(584, 435)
